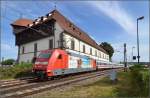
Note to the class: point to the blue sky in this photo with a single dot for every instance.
(110, 21)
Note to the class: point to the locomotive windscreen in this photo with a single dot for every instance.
(44, 55)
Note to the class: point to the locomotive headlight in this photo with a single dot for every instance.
(44, 63)
(37, 63)
(49, 71)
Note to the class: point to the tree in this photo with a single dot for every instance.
(8, 62)
(108, 48)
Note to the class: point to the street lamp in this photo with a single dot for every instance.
(140, 18)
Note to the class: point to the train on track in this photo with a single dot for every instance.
(58, 62)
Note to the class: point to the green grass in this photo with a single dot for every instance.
(104, 87)
(101, 88)
(17, 71)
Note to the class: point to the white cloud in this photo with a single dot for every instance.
(117, 13)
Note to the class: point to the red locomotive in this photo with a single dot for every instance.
(60, 62)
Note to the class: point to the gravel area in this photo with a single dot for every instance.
(61, 89)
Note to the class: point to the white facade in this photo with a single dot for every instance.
(27, 54)
(96, 54)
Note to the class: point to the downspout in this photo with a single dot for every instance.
(54, 29)
(18, 58)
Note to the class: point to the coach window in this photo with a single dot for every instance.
(84, 48)
(72, 44)
(23, 50)
(51, 44)
(60, 56)
(91, 51)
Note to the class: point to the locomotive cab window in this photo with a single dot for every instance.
(44, 55)
(60, 56)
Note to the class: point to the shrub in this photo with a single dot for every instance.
(8, 62)
(18, 70)
(139, 81)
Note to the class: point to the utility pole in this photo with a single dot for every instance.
(125, 58)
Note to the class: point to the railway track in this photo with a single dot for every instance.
(31, 86)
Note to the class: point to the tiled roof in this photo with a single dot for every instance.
(22, 22)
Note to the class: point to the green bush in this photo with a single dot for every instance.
(139, 81)
(8, 62)
(18, 70)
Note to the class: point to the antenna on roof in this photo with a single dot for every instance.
(55, 6)
(21, 15)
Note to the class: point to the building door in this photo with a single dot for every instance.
(35, 49)
(51, 44)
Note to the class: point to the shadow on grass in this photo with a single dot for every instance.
(26, 73)
(127, 86)
(122, 88)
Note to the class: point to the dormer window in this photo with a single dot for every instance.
(73, 28)
(70, 24)
(79, 33)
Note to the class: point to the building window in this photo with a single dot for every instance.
(72, 44)
(98, 54)
(84, 48)
(23, 50)
(51, 44)
(91, 51)
(95, 53)
(35, 49)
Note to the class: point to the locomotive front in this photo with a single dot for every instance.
(41, 63)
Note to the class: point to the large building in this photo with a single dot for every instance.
(53, 31)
